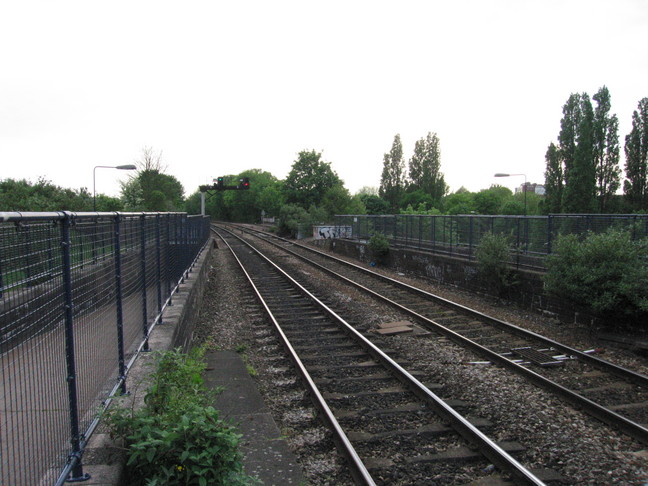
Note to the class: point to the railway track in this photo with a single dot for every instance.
(612, 394)
(392, 428)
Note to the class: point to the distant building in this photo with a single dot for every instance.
(538, 189)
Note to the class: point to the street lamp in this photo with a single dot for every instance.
(94, 184)
(524, 187)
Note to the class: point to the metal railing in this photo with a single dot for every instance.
(79, 296)
(531, 237)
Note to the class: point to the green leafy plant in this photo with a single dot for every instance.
(604, 272)
(379, 247)
(177, 438)
(492, 256)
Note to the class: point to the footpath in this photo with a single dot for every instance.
(265, 454)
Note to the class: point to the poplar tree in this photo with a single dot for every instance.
(553, 180)
(635, 186)
(424, 167)
(578, 155)
(606, 149)
(392, 180)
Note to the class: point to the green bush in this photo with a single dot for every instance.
(492, 255)
(605, 273)
(291, 217)
(177, 438)
(379, 247)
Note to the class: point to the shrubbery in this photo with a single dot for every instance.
(177, 437)
(291, 217)
(492, 255)
(379, 247)
(605, 272)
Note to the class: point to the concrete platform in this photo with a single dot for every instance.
(266, 454)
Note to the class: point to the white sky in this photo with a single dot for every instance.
(220, 87)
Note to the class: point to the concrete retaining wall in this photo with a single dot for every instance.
(528, 291)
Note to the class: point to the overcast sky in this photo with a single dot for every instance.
(219, 87)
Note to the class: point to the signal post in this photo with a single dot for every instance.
(219, 185)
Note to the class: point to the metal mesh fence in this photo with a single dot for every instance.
(531, 237)
(79, 294)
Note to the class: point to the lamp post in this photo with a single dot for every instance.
(524, 187)
(94, 184)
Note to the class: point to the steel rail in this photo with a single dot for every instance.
(629, 427)
(358, 469)
(490, 449)
(627, 374)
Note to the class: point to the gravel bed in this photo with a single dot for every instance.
(559, 437)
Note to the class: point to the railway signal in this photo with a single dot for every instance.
(219, 185)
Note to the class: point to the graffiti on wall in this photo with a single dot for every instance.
(329, 232)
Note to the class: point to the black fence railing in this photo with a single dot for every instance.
(531, 237)
(79, 296)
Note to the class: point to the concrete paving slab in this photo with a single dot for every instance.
(266, 454)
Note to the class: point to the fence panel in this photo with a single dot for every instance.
(531, 237)
(78, 296)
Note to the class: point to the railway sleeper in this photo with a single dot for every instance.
(407, 408)
(364, 364)
(454, 454)
(425, 432)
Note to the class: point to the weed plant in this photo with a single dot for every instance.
(492, 255)
(177, 437)
(379, 247)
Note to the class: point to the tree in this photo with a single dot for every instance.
(270, 199)
(150, 189)
(375, 204)
(606, 150)
(392, 180)
(246, 206)
(578, 156)
(417, 199)
(553, 180)
(291, 217)
(570, 175)
(264, 195)
(424, 168)
(459, 202)
(635, 186)
(490, 201)
(337, 200)
(367, 190)
(309, 179)
(22, 195)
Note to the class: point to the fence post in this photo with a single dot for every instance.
(169, 259)
(433, 235)
(76, 474)
(470, 237)
(517, 245)
(1, 284)
(158, 264)
(143, 277)
(118, 304)
(420, 230)
(549, 232)
(28, 256)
